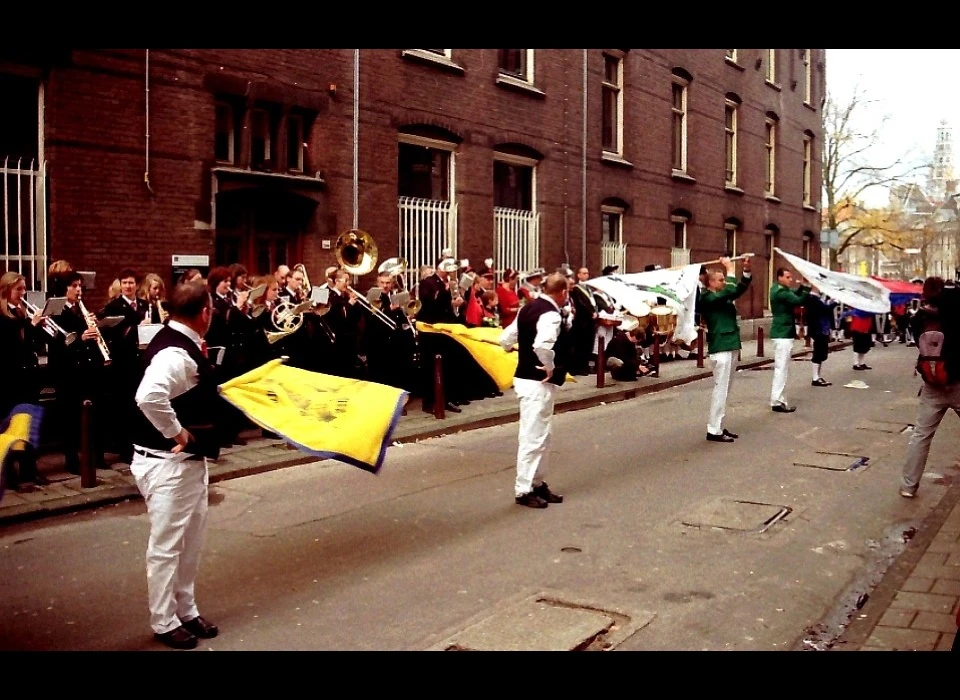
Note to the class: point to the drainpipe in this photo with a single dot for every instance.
(583, 204)
(146, 80)
(356, 130)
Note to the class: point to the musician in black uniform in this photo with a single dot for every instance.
(390, 353)
(124, 342)
(439, 306)
(78, 373)
(344, 321)
(20, 339)
(584, 329)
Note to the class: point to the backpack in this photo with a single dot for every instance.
(930, 362)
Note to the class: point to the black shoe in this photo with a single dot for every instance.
(821, 382)
(461, 402)
(544, 492)
(860, 367)
(531, 500)
(783, 408)
(729, 434)
(719, 438)
(178, 638)
(452, 408)
(200, 628)
(865, 367)
(41, 480)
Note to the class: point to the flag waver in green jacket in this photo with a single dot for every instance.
(783, 301)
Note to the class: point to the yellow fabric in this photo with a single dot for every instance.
(483, 344)
(331, 417)
(17, 434)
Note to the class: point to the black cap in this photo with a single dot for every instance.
(610, 269)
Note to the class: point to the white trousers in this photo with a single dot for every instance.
(175, 491)
(536, 419)
(782, 348)
(722, 376)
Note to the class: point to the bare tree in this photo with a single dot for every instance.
(848, 170)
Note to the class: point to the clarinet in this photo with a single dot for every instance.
(92, 325)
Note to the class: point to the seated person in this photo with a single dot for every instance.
(623, 353)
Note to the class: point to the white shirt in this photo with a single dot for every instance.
(172, 372)
(548, 330)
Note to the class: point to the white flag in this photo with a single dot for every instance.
(637, 293)
(857, 292)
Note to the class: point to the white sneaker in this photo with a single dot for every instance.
(907, 493)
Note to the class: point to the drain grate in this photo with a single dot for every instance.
(834, 461)
(736, 515)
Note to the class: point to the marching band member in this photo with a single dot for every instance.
(783, 301)
(723, 339)
(584, 323)
(542, 337)
(154, 292)
(343, 319)
(280, 276)
(56, 278)
(19, 340)
(390, 353)
(438, 305)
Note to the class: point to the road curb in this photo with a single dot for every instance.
(124, 492)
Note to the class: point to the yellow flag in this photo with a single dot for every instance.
(331, 417)
(19, 429)
(483, 344)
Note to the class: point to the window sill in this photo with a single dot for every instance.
(615, 159)
(512, 83)
(772, 198)
(809, 207)
(733, 64)
(682, 176)
(732, 189)
(810, 106)
(775, 86)
(435, 59)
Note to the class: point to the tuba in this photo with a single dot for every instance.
(357, 254)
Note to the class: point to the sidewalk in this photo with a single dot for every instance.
(912, 608)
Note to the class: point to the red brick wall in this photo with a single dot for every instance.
(103, 217)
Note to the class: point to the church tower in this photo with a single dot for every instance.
(941, 173)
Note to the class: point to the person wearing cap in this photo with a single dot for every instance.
(723, 339)
(609, 270)
(541, 336)
(437, 305)
(530, 285)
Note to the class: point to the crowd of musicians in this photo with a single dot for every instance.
(94, 354)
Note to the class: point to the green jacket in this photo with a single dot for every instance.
(783, 301)
(720, 314)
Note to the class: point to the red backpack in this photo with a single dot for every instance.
(930, 363)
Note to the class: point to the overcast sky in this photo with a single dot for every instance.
(916, 88)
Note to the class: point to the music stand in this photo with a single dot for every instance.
(54, 306)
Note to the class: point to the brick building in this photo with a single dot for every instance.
(531, 156)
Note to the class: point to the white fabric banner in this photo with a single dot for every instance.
(858, 292)
(637, 293)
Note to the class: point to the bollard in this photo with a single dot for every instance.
(601, 361)
(656, 353)
(88, 472)
(759, 341)
(439, 402)
(699, 347)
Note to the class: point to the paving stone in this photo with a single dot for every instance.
(903, 639)
(953, 560)
(918, 584)
(945, 586)
(945, 643)
(897, 617)
(948, 572)
(938, 622)
(923, 601)
(931, 558)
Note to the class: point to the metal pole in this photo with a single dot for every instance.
(439, 402)
(356, 131)
(699, 347)
(88, 472)
(583, 202)
(601, 362)
(759, 341)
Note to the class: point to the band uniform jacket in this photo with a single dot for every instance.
(436, 301)
(720, 314)
(19, 342)
(783, 301)
(123, 338)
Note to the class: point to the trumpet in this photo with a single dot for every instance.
(51, 327)
(92, 325)
(357, 254)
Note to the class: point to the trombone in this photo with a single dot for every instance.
(49, 325)
(357, 254)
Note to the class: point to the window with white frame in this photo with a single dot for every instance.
(679, 222)
(772, 66)
(731, 229)
(424, 168)
(446, 53)
(517, 63)
(612, 118)
(611, 227)
(679, 132)
(807, 76)
(732, 55)
(261, 148)
(770, 145)
(807, 166)
(731, 111)
(295, 143)
(224, 139)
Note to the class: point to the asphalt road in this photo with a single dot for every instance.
(685, 544)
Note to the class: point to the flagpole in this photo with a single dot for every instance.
(710, 262)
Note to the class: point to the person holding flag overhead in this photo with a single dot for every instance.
(783, 300)
(723, 338)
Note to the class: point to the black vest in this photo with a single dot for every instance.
(197, 409)
(528, 361)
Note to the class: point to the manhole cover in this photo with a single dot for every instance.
(731, 514)
(834, 461)
(883, 426)
(546, 622)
